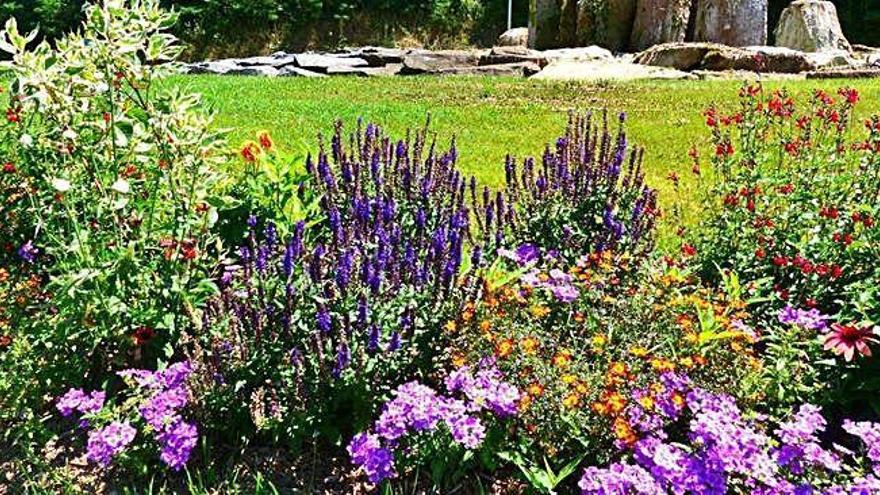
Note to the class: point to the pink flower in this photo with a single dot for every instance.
(846, 340)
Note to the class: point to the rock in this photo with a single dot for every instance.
(873, 60)
(291, 71)
(681, 56)
(513, 54)
(320, 63)
(379, 56)
(433, 62)
(741, 75)
(520, 69)
(254, 70)
(757, 59)
(659, 21)
(606, 71)
(731, 22)
(844, 74)
(544, 16)
(810, 26)
(605, 23)
(835, 59)
(277, 60)
(213, 67)
(514, 37)
(585, 53)
(341, 70)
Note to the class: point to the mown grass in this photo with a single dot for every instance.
(490, 117)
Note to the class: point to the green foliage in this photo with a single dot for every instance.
(108, 185)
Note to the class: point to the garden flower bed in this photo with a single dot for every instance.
(175, 307)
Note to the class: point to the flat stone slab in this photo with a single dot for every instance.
(291, 71)
(744, 75)
(254, 70)
(520, 69)
(585, 53)
(277, 60)
(607, 71)
(320, 63)
(387, 70)
(377, 56)
(844, 74)
(513, 54)
(215, 67)
(434, 62)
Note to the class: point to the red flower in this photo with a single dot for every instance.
(836, 271)
(780, 261)
(786, 189)
(724, 149)
(849, 94)
(829, 212)
(847, 340)
(760, 253)
(143, 335)
(811, 303)
(9, 167)
(688, 250)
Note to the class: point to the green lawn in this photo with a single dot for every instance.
(490, 117)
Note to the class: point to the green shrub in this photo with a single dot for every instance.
(107, 188)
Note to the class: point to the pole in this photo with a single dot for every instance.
(509, 14)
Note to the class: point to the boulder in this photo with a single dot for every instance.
(433, 62)
(681, 56)
(810, 26)
(514, 37)
(731, 22)
(606, 71)
(605, 23)
(586, 53)
(320, 63)
(659, 21)
(511, 55)
(520, 69)
(291, 71)
(757, 59)
(544, 16)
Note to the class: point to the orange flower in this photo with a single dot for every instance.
(450, 326)
(678, 400)
(524, 403)
(485, 326)
(504, 348)
(265, 140)
(562, 359)
(582, 388)
(539, 311)
(249, 151)
(571, 401)
(600, 408)
(529, 345)
(647, 402)
(624, 432)
(535, 390)
(468, 314)
(617, 369)
(662, 365)
(616, 402)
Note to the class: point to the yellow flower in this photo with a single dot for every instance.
(686, 361)
(623, 431)
(599, 340)
(458, 360)
(647, 402)
(568, 378)
(571, 400)
(582, 388)
(539, 311)
(662, 365)
(524, 403)
(450, 326)
(529, 345)
(638, 352)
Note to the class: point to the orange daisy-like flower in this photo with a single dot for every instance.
(562, 359)
(647, 402)
(458, 360)
(524, 403)
(599, 341)
(265, 140)
(535, 390)
(539, 311)
(662, 365)
(639, 352)
(529, 345)
(485, 326)
(616, 402)
(624, 432)
(504, 348)
(450, 326)
(617, 368)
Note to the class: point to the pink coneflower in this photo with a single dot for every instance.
(846, 340)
